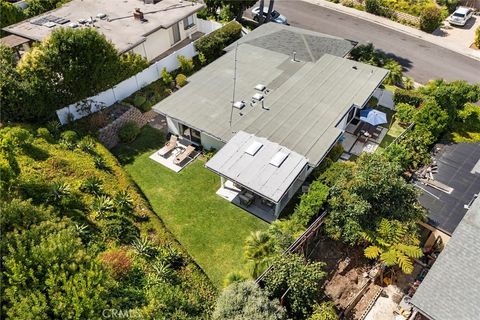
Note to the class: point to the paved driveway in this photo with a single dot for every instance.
(460, 36)
(421, 59)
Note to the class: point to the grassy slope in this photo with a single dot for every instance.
(212, 230)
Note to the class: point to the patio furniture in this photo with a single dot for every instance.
(246, 198)
(373, 116)
(169, 146)
(362, 138)
(184, 154)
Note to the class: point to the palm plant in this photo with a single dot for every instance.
(258, 251)
(100, 163)
(87, 145)
(394, 243)
(102, 205)
(396, 72)
(408, 83)
(163, 270)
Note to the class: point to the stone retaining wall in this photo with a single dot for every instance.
(108, 135)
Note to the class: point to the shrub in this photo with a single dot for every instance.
(181, 80)
(123, 202)
(117, 262)
(310, 203)
(432, 118)
(69, 136)
(167, 78)
(101, 205)
(413, 98)
(120, 228)
(128, 132)
(233, 277)
(139, 100)
(202, 59)
(373, 6)
(92, 185)
(226, 13)
(144, 247)
(44, 134)
(246, 300)
(324, 311)
(430, 19)
(87, 144)
(212, 45)
(477, 37)
(100, 163)
(405, 112)
(396, 72)
(172, 256)
(186, 65)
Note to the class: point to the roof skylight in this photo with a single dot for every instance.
(253, 148)
(279, 158)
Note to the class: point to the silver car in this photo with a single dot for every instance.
(275, 17)
(460, 16)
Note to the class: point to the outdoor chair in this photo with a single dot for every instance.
(169, 146)
(184, 154)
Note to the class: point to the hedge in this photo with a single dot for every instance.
(477, 37)
(430, 19)
(212, 45)
(413, 98)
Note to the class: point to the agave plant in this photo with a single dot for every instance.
(92, 185)
(100, 163)
(54, 128)
(87, 144)
(102, 205)
(163, 271)
(144, 247)
(81, 229)
(394, 243)
(172, 256)
(59, 190)
(123, 202)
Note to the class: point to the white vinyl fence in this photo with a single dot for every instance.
(127, 87)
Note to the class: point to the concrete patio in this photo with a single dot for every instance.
(231, 193)
(354, 144)
(167, 160)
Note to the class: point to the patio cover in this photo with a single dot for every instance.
(255, 172)
(13, 41)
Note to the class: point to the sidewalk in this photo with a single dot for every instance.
(437, 40)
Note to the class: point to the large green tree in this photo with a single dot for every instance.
(9, 14)
(375, 191)
(301, 278)
(247, 301)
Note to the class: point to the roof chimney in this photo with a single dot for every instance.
(137, 14)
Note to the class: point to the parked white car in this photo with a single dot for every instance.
(460, 16)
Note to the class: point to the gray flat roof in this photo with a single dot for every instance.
(255, 172)
(451, 289)
(119, 26)
(305, 103)
(459, 168)
(308, 45)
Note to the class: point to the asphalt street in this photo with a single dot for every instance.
(421, 60)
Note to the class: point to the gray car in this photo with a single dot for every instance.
(275, 17)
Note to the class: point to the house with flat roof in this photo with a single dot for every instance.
(451, 288)
(448, 187)
(149, 27)
(273, 105)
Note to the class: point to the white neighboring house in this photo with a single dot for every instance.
(149, 27)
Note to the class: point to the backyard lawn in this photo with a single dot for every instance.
(209, 227)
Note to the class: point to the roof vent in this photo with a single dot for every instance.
(73, 25)
(355, 67)
(138, 14)
(239, 104)
(260, 87)
(253, 148)
(257, 97)
(101, 15)
(49, 24)
(279, 158)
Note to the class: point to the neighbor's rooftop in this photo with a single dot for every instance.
(304, 101)
(264, 167)
(451, 289)
(458, 168)
(119, 26)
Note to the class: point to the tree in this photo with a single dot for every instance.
(310, 204)
(246, 301)
(238, 6)
(324, 311)
(300, 277)
(431, 18)
(432, 118)
(405, 112)
(394, 243)
(36, 7)
(258, 251)
(395, 74)
(375, 191)
(9, 14)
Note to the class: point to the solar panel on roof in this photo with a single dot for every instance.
(253, 148)
(279, 158)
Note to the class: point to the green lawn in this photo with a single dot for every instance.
(393, 132)
(209, 227)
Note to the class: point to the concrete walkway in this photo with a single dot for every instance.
(435, 39)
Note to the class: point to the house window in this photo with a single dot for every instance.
(188, 22)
